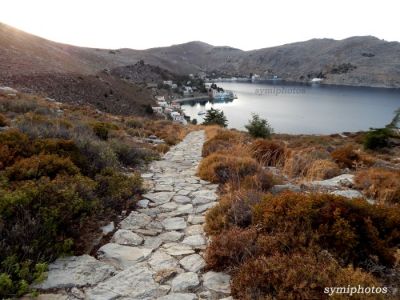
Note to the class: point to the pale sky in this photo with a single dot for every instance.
(249, 24)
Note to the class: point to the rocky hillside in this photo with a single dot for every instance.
(358, 61)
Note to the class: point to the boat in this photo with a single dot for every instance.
(201, 113)
(316, 80)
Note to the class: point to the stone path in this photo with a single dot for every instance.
(157, 251)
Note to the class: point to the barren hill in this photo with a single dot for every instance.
(358, 61)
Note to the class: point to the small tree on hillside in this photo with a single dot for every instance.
(215, 117)
(259, 128)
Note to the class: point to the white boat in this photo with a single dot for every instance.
(201, 113)
(316, 80)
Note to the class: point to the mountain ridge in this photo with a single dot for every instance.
(357, 61)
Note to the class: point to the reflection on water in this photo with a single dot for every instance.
(315, 109)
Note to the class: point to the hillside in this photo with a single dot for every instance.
(358, 61)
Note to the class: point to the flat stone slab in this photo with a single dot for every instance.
(202, 208)
(152, 242)
(122, 257)
(217, 282)
(126, 237)
(143, 203)
(135, 220)
(179, 296)
(160, 197)
(174, 223)
(193, 263)
(161, 260)
(163, 188)
(75, 271)
(177, 249)
(171, 236)
(134, 283)
(348, 193)
(185, 282)
(194, 229)
(193, 219)
(203, 197)
(196, 241)
(335, 182)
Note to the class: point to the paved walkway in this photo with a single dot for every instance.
(157, 251)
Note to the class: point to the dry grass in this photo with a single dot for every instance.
(225, 140)
(298, 162)
(211, 131)
(221, 168)
(380, 184)
(321, 169)
(268, 153)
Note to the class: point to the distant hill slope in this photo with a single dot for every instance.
(358, 61)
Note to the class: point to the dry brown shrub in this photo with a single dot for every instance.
(221, 168)
(231, 248)
(298, 162)
(162, 148)
(234, 209)
(3, 121)
(261, 181)
(322, 169)
(346, 156)
(223, 140)
(215, 145)
(380, 184)
(302, 275)
(211, 131)
(268, 153)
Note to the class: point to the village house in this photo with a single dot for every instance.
(162, 103)
(187, 91)
(157, 109)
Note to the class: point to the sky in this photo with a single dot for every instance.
(247, 25)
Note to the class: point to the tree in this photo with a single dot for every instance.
(215, 117)
(259, 128)
(396, 120)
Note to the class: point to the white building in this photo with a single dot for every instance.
(160, 98)
(187, 90)
(157, 109)
(162, 103)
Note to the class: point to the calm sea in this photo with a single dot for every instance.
(307, 109)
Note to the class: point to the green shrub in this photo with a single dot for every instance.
(98, 155)
(40, 220)
(116, 190)
(215, 117)
(377, 138)
(38, 126)
(18, 105)
(259, 128)
(102, 129)
(130, 154)
(133, 123)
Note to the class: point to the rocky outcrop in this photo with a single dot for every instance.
(157, 251)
